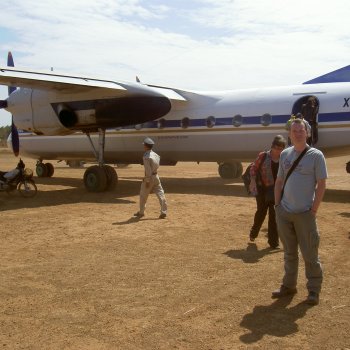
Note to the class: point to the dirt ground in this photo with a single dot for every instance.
(77, 272)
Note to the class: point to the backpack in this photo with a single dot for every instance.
(246, 175)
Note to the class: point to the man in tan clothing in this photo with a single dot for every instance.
(151, 181)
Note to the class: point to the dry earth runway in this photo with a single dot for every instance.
(77, 272)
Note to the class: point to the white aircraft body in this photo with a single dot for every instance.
(79, 118)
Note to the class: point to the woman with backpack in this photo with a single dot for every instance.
(263, 173)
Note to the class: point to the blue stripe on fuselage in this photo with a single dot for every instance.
(334, 117)
(227, 121)
(276, 119)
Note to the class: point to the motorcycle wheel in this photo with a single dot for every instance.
(11, 189)
(27, 188)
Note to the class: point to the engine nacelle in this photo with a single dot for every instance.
(67, 116)
(59, 113)
(32, 112)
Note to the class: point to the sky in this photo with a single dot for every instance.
(197, 45)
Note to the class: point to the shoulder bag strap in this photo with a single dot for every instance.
(295, 163)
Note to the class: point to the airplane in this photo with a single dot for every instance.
(91, 119)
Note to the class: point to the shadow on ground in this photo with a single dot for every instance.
(251, 254)
(73, 191)
(276, 319)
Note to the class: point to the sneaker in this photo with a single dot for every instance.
(162, 216)
(313, 298)
(139, 215)
(283, 291)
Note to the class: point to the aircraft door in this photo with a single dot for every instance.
(308, 106)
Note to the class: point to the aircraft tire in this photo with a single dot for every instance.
(41, 170)
(50, 169)
(95, 179)
(112, 178)
(239, 170)
(227, 170)
(75, 163)
(348, 167)
(230, 170)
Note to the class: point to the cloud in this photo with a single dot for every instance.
(200, 44)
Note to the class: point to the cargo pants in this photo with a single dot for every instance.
(299, 230)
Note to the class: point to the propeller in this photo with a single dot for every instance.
(14, 131)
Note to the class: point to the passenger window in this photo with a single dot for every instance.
(161, 123)
(211, 121)
(237, 120)
(266, 119)
(185, 123)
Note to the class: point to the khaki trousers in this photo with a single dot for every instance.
(154, 187)
(300, 230)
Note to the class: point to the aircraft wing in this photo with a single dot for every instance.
(71, 84)
(82, 103)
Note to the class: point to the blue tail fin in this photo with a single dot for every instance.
(341, 75)
(10, 63)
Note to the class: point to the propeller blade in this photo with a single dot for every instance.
(14, 131)
(14, 139)
(10, 61)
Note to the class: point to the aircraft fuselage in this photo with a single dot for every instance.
(206, 127)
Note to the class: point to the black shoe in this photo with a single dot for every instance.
(283, 291)
(313, 298)
(251, 238)
(162, 216)
(139, 215)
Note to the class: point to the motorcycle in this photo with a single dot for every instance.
(20, 179)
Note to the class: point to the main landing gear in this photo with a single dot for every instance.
(44, 169)
(101, 177)
(230, 170)
(97, 178)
